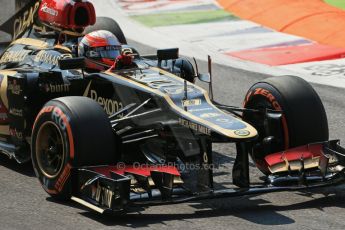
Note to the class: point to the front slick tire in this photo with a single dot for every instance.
(69, 132)
(304, 118)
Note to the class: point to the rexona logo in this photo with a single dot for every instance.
(48, 10)
(110, 106)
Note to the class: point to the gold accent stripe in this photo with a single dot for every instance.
(87, 204)
(63, 48)
(3, 87)
(31, 42)
(5, 129)
(227, 132)
(295, 165)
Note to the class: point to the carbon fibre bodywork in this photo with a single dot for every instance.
(31, 77)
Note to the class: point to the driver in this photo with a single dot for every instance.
(102, 51)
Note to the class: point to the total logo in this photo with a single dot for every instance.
(110, 106)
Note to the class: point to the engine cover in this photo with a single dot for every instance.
(70, 15)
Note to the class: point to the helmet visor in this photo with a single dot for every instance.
(108, 52)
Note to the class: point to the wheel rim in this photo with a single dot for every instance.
(50, 152)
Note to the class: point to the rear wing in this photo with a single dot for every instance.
(22, 20)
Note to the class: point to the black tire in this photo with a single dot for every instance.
(105, 23)
(304, 118)
(69, 132)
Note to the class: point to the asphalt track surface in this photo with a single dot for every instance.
(24, 204)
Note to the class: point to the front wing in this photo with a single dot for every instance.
(124, 187)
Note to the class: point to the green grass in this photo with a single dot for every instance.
(337, 3)
(179, 18)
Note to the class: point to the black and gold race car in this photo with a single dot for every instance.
(143, 135)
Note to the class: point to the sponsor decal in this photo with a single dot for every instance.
(3, 114)
(242, 133)
(194, 126)
(167, 84)
(60, 118)
(210, 115)
(154, 80)
(14, 88)
(223, 120)
(269, 96)
(63, 178)
(15, 133)
(21, 24)
(3, 109)
(200, 109)
(49, 10)
(51, 58)
(46, 109)
(110, 106)
(14, 56)
(178, 90)
(57, 88)
(16, 112)
(193, 102)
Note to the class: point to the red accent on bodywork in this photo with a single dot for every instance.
(143, 170)
(109, 62)
(125, 60)
(67, 14)
(295, 154)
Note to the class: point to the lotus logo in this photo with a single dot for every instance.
(242, 133)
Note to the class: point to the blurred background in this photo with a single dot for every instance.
(8, 9)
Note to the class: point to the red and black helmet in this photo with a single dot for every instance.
(101, 48)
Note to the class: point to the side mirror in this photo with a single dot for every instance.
(72, 63)
(204, 77)
(167, 54)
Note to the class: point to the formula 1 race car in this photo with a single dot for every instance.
(138, 136)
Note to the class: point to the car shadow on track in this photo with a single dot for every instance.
(25, 169)
(257, 210)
